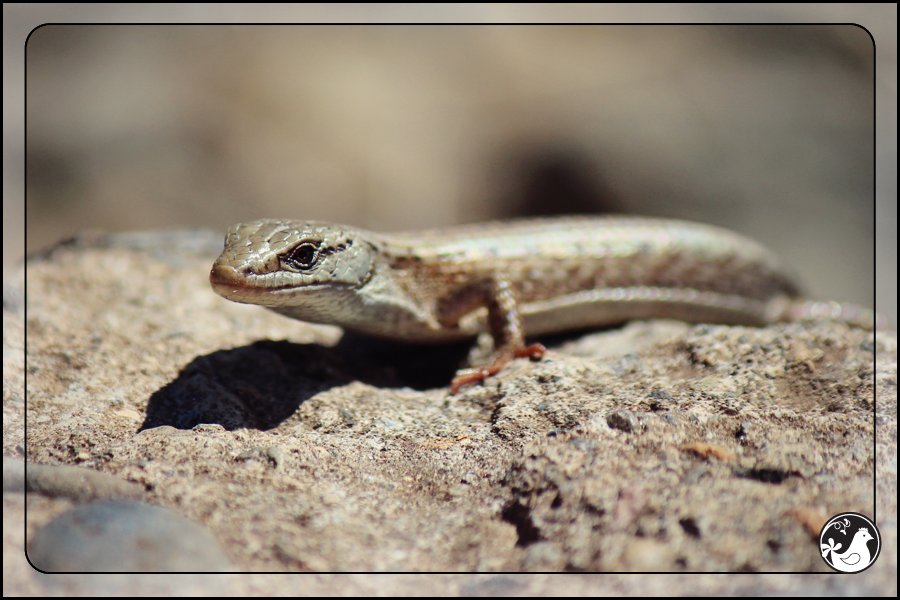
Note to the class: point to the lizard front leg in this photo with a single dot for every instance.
(503, 320)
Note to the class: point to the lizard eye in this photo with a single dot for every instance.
(302, 257)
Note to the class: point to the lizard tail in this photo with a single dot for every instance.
(788, 309)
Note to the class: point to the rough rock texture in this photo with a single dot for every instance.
(654, 447)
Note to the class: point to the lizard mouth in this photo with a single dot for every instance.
(236, 286)
(225, 279)
(230, 283)
(226, 276)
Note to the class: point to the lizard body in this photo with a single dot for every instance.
(508, 278)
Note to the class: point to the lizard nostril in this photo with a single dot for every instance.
(223, 275)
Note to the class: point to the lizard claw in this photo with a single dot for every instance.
(476, 374)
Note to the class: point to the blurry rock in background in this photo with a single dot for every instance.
(764, 129)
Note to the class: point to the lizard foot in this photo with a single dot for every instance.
(480, 373)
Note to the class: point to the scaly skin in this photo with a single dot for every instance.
(511, 278)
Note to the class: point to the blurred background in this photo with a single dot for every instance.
(765, 129)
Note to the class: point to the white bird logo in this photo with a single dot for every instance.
(856, 554)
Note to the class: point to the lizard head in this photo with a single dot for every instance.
(278, 263)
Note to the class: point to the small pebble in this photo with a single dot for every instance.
(116, 537)
(623, 420)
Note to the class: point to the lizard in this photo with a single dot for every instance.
(509, 278)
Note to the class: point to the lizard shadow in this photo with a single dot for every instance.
(261, 385)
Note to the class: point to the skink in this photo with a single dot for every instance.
(511, 278)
